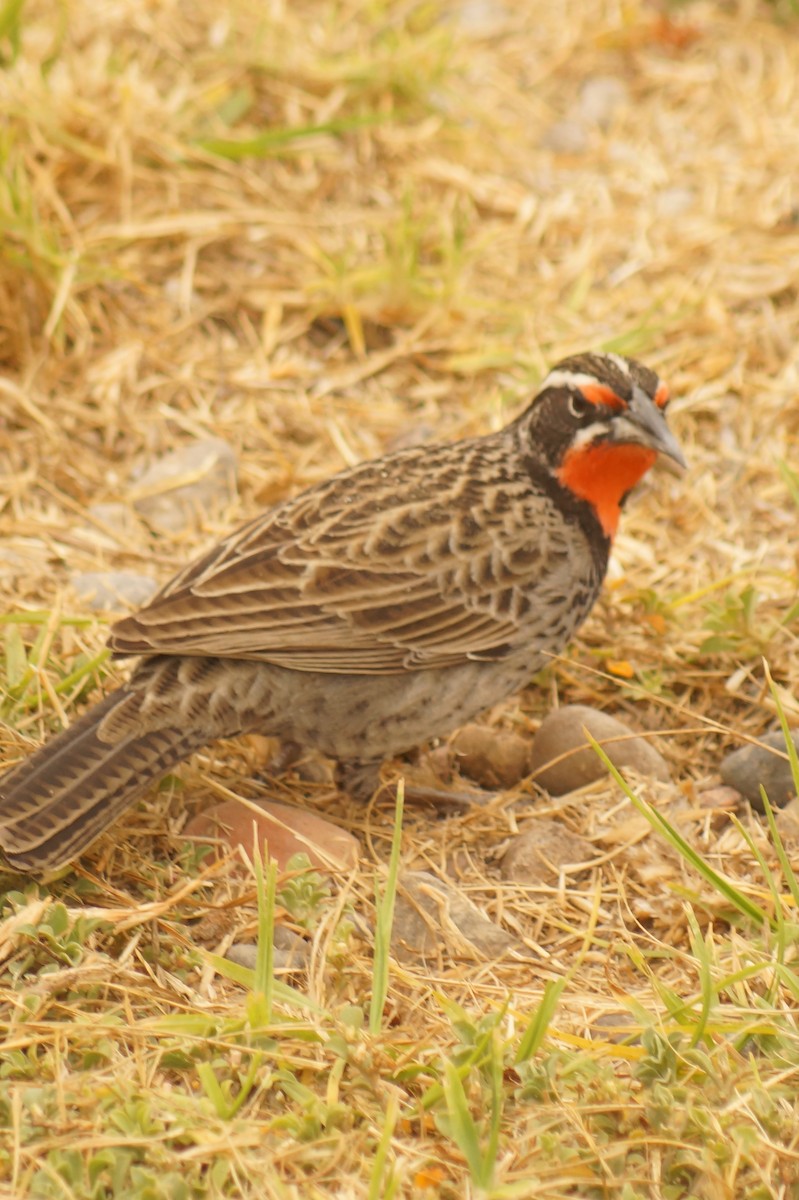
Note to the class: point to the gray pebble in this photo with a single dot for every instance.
(566, 137)
(117, 516)
(561, 734)
(538, 854)
(481, 16)
(600, 98)
(290, 952)
(114, 590)
(200, 476)
(750, 766)
(674, 201)
(616, 1027)
(431, 917)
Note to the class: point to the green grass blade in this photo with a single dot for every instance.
(791, 480)
(265, 889)
(793, 756)
(10, 22)
(536, 1030)
(496, 1075)
(462, 1124)
(245, 977)
(701, 951)
(213, 1091)
(16, 660)
(272, 141)
(246, 1085)
(385, 919)
(86, 669)
(788, 873)
(43, 616)
(383, 1183)
(736, 898)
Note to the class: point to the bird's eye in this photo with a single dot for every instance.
(579, 407)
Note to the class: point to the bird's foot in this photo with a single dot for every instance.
(363, 780)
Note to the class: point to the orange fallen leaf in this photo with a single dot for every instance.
(621, 668)
(674, 36)
(429, 1177)
(656, 621)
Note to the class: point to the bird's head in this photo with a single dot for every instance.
(598, 422)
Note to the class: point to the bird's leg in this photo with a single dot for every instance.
(443, 798)
(308, 765)
(359, 779)
(287, 754)
(362, 779)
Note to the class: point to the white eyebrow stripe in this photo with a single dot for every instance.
(620, 362)
(576, 379)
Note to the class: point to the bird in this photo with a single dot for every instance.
(378, 609)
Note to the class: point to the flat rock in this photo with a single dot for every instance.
(787, 822)
(103, 590)
(120, 521)
(718, 803)
(750, 766)
(194, 479)
(616, 1027)
(601, 96)
(568, 136)
(721, 798)
(34, 560)
(291, 952)
(674, 201)
(286, 830)
(481, 16)
(492, 757)
(432, 917)
(542, 851)
(562, 760)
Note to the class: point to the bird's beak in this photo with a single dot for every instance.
(644, 424)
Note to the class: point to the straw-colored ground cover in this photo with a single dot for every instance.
(314, 229)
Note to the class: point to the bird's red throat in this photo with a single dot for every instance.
(603, 474)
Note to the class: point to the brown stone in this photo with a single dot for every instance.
(286, 830)
(562, 760)
(762, 764)
(432, 917)
(541, 851)
(492, 757)
(720, 797)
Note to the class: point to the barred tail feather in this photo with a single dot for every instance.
(53, 805)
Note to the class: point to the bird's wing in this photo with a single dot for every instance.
(395, 565)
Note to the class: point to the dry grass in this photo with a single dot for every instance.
(315, 229)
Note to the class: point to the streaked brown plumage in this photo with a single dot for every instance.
(383, 607)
